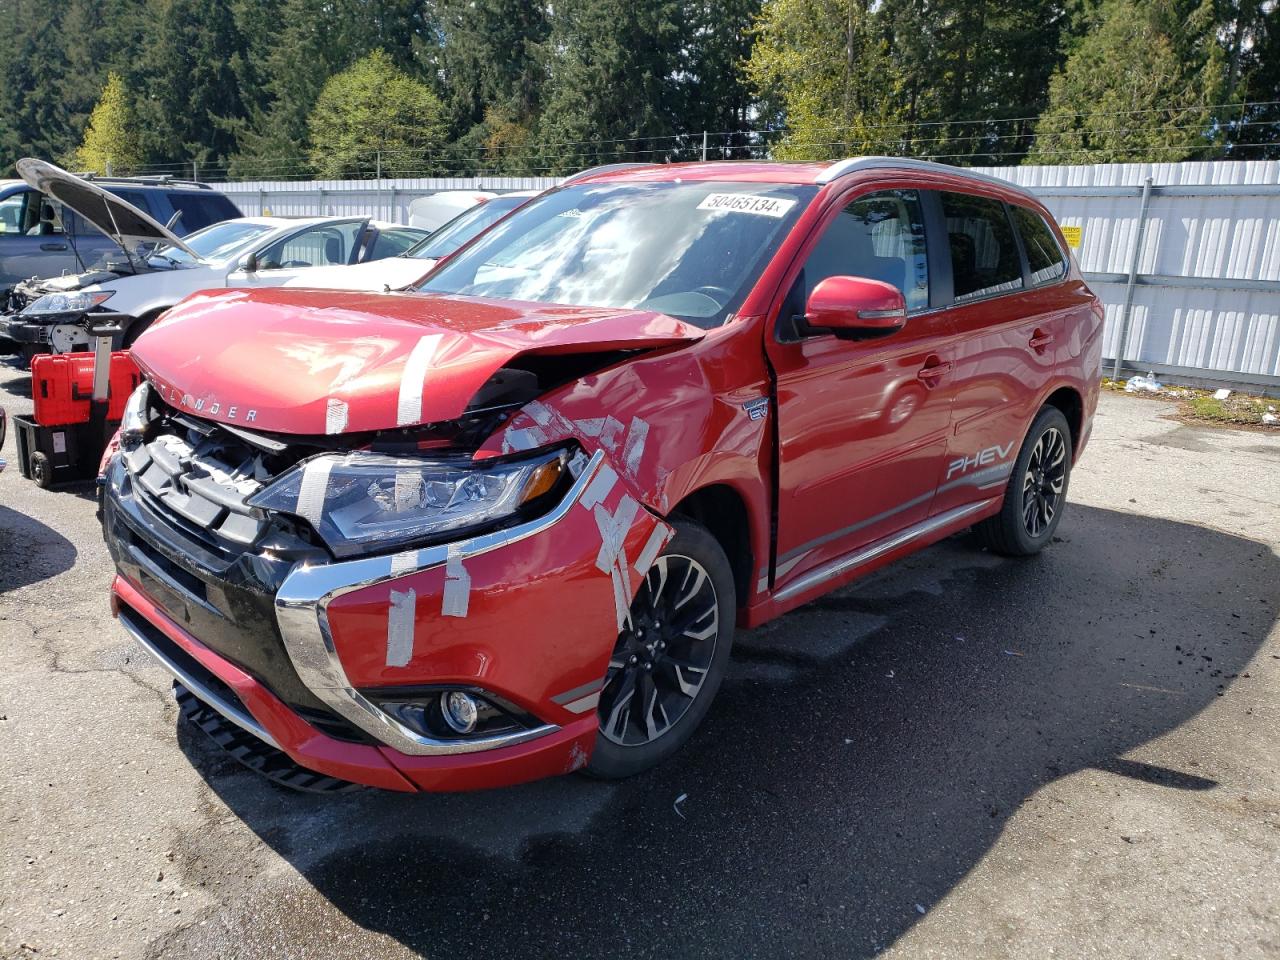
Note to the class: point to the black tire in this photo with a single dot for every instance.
(658, 635)
(137, 329)
(1036, 493)
(41, 470)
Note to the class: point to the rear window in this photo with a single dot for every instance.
(984, 253)
(200, 209)
(1044, 256)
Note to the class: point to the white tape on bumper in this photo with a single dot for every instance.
(457, 587)
(400, 617)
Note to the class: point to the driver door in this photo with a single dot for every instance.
(332, 244)
(862, 424)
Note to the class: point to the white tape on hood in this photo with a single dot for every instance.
(335, 415)
(413, 378)
(312, 490)
(457, 586)
(400, 617)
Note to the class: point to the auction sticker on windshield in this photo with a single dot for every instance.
(747, 203)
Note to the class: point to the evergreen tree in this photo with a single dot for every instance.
(612, 76)
(111, 142)
(375, 112)
(826, 64)
(1140, 86)
(717, 92)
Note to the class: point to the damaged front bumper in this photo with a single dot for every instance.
(313, 651)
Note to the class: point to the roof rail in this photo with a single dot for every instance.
(605, 168)
(155, 180)
(844, 168)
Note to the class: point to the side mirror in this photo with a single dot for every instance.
(847, 306)
(249, 263)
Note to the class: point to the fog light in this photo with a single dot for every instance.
(459, 710)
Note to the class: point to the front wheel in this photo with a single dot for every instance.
(1037, 491)
(670, 657)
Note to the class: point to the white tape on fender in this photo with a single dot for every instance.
(409, 405)
(633, 449)
(652, 547)
(599, 486)
(613, 531)
(457, 586)
(400, 616)
(311, 492)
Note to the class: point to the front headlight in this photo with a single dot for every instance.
(133, 422)
(362, 502)
(78, 301)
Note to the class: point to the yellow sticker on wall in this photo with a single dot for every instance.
(1073, 236)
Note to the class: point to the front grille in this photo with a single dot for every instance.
(201, 483)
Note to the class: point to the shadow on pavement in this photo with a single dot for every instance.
(30, 551)
(862, 758)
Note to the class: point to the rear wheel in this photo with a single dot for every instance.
(1037, 491)
(670, 657)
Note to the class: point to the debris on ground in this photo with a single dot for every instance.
(1224, 405)
(676, 806)
(1221, 394)
(1148, 384)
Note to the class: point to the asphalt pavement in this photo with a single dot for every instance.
(1072, 756)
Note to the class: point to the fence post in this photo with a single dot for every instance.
(704, 146)
(1133, 277)
(378, 161)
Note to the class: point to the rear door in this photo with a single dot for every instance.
(862, 424)
(1009, 321)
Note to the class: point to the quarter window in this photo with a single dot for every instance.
(984, 254)
(879, 236)
(1044, 256)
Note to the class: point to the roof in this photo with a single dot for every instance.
(754, 171)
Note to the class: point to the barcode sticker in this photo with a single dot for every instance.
(775, 207)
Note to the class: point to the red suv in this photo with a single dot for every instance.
(504, 526)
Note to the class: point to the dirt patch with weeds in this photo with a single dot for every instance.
(1237, 410)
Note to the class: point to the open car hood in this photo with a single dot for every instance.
(310, 362)
(122, 222)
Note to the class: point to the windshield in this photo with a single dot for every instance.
(686, 249)
(216, 242)
(464, 227)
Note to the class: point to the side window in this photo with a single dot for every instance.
(323, 246)
(389, 243)
(1044, 256)
(198, 211)
(984, 253)
(880, 236)
(29, 214)
(137, 198)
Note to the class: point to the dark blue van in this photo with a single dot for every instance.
(38, 238)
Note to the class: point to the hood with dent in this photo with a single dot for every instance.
(121, 221)
(306, 362)
(393, 272)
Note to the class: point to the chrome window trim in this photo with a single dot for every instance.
(302, 611)
(241, 718)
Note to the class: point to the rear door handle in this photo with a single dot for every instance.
(1040, 340)
(934, 371)
(53, 246)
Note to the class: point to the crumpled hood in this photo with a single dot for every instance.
(309, 362)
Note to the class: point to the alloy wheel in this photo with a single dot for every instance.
(1044, 481)
(663, 654)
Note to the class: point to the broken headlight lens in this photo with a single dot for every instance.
(79, 301)
(361, 502)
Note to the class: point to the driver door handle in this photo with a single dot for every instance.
(1039, 340)
(930, 374)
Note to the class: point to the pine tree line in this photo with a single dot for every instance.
(285, 88)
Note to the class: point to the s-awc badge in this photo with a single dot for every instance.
(757, 408)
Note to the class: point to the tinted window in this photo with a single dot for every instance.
(200, 210)
(135, 198)
(984, 254)
(880, 236)
(390, 243)
(1044, 256)
(688, 249)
